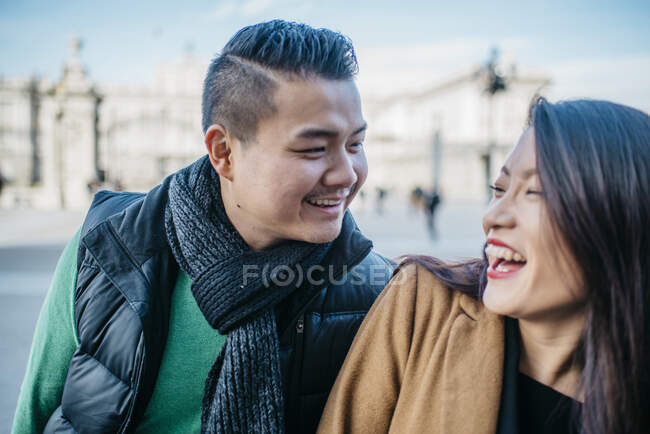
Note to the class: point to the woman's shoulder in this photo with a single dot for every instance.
(424, 288)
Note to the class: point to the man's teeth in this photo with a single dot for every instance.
(503, 253)
(331, 202)
(324, 202)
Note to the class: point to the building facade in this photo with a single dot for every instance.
(453, 137)
(60, 142)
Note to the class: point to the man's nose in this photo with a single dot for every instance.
(341, 171)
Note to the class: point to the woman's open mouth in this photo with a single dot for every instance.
(504, 261)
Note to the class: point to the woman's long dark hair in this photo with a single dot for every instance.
(593, 160)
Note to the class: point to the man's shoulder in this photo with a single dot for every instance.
(372, 273)
(378, 260)
(358, 288)
(133, 208)
(133, 221)
(106, 204)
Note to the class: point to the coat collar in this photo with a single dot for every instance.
(508, 416)
(508, 408)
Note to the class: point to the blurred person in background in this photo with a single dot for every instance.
(550, 331)
(432, 203)
(222, 300)
(380, 199)
(416, 199)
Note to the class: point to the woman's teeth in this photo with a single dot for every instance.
(503, 268)
(503, 253)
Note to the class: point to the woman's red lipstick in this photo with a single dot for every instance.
(492, 272)
(498, 242)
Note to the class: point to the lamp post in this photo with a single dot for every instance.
(59, 146)
(495, 82)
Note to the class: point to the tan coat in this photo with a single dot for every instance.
(425, 360)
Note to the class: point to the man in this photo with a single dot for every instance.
(432, 203)
(225, 299)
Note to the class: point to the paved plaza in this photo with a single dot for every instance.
(30, 243)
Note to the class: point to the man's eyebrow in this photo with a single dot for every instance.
(360, 129)
(314, 133)
(525, 174)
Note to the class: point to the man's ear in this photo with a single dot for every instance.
(219, 143)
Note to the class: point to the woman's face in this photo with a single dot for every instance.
(531, 276)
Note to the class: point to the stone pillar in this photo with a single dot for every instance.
(70, 138)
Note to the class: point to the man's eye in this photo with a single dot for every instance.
(311, 150)
(357, 145)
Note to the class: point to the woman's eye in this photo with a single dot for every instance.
(496, 189)
(537, 192)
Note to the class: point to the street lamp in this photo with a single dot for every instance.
(495, 82)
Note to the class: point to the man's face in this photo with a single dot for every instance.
(297, 178)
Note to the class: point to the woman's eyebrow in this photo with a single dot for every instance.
(525, 174)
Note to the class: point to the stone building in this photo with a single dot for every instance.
(453, 136)
(60, 142)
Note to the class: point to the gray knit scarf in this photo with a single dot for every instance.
(243, 391)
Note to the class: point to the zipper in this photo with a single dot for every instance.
(300, 326)
(127, 422)
(294, 392)
(293, 409)
(353, 263)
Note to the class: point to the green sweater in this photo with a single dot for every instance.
(191, 349)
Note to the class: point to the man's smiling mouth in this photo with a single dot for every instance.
(324, 202)
(330, 200)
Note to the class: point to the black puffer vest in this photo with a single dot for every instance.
(126, 274)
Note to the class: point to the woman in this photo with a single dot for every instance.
(550, 330)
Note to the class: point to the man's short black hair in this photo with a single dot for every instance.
(239, 85)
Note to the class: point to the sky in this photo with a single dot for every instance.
(596, 49)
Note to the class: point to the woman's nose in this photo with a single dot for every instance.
(498, 214)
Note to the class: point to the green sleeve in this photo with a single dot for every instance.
(54, 343)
